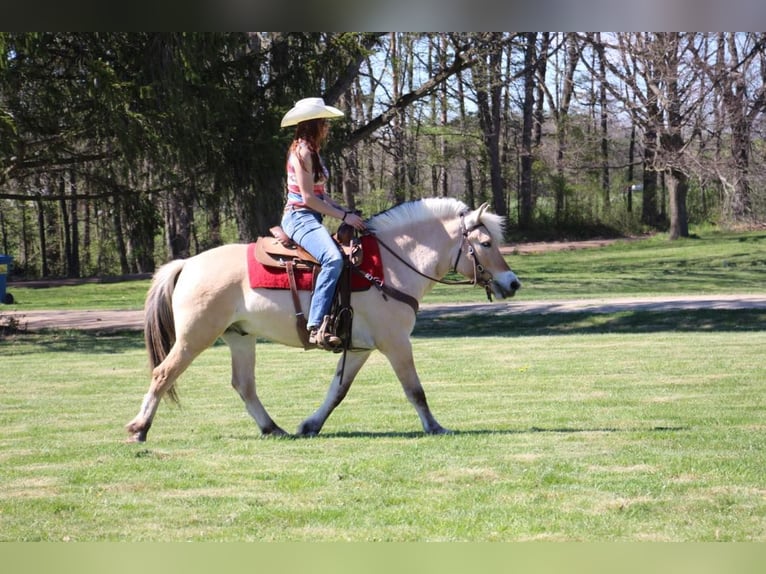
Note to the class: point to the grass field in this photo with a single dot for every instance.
(630, 426)
(656, 435)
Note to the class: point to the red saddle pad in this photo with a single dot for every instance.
(262, 277)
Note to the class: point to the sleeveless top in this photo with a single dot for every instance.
(294, 198)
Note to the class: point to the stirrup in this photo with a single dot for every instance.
(323, 338)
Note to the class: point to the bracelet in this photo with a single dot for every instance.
(345, 213)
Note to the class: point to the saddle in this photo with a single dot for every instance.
(281, 252)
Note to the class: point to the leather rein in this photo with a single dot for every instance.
(465, 245)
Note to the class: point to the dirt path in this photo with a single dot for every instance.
(544, 246)
(111, 321)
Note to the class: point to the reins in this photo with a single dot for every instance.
(478, 269)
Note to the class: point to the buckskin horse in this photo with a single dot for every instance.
(192, 302)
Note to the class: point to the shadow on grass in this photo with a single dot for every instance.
(28, 343)
(416, 434)
(629, 322)
(501, 325)
(472, 432)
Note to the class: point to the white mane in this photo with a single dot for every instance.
(428, 209)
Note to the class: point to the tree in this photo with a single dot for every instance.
(488, 83)
(559, 105)
(738, 77)
(655, 69)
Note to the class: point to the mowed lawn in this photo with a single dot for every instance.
(627, 426)
(655, 435)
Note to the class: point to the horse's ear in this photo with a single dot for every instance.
(473, 219)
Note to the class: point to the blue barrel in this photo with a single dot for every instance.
(5, 269)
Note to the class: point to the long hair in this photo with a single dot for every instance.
(310, 131)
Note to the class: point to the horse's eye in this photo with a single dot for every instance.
(486, 244)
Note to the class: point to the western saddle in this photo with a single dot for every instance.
(282, 252)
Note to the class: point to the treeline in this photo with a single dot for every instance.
(119, 151)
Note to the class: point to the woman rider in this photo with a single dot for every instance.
(308, 203)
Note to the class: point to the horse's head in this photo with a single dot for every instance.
(483, 263)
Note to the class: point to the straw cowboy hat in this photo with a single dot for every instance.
(309, 109)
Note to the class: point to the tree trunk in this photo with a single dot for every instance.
(487, 77)
(470, 195)
(351, 178)
(672, 141)
(85, 254)
(678, 188)
(119, 234)
(649, 210)
(496, 171)
(4, 248)
(213, 215)
(603, 111)
(141, 224)
(41, 234)
(397, 126)
(562, 124)
(525, 188)
(631, 159)
(736, 108)
(25, 239)
(542, 66)
(73, 264)
(179, 215)
(444, 106)
(66, 254)
(258, 207)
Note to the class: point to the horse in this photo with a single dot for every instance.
(195, 301)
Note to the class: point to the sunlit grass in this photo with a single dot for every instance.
(655, 435)
(715, 263)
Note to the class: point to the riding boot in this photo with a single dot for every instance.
(323, 337)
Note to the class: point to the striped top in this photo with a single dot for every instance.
(294, 198)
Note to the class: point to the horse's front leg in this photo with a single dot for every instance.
(400, 357)
(336, 393)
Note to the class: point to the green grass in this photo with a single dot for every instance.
(565, 429)
(713, 263)
(719, 263)
(121, 295)
(624, 426)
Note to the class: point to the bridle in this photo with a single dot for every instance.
(481, 276)
(478, 268)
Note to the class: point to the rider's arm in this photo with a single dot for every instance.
(305, 177)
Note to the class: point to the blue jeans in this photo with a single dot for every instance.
(305, 228)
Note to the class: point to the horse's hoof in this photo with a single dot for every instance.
(276, 432)
(137, 431)
(135, 438)
(307, 430)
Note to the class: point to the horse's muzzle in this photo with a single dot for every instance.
(505, 285)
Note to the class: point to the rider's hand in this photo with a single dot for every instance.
(354, 221)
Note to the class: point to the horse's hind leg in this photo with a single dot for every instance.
(164, 376)
(243, 380)
(336, 393)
